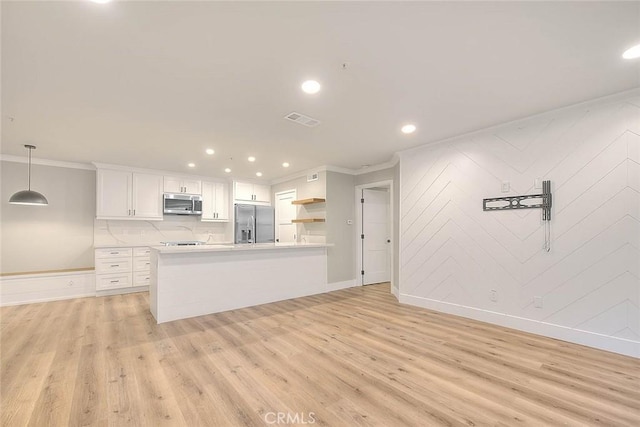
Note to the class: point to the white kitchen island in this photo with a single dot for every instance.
(189, 281)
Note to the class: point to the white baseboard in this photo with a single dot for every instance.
(336, 286)
(34, 288)
(121, 291)
(395, 292)
(577, 336)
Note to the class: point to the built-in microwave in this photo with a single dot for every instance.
(182, 204)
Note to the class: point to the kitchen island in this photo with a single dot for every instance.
(189, 281)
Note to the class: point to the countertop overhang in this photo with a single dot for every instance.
(236, 247)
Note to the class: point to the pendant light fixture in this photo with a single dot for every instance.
(29, 197)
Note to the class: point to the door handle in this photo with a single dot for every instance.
(388, 240)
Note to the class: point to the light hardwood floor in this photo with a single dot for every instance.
(352, 357)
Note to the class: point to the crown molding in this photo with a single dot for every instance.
(590, 102)
(46, 162)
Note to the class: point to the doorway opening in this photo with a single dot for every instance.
(285, 212)
(374, 232)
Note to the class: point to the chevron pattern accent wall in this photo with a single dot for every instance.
(453, 254)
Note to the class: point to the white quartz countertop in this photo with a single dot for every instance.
(240, 247)
(146, 245)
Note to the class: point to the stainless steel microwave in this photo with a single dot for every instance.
(182, 204)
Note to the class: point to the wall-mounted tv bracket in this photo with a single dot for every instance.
(530, 201)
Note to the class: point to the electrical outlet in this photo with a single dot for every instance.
(493, 295)
(506, 186)
(537, 302)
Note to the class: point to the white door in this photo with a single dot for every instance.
(376, 262)
(222, 201)
(285, 212)
(147, 196)
(208, 201)
(262, 193)
(114, 194)
(172, 184)
(243, 191)
(192, 186)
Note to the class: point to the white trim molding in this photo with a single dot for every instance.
(336, 286)
(577, 336)
(46, 162)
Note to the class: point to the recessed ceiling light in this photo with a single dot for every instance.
(101, 1)
(227, 170)
(192, 165)
(632, 53)
(408, 128)
(258, 173)
(285, 165)
(251, 159)
(311, 86)
(209, 151)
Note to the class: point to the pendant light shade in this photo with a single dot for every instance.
(29, 197)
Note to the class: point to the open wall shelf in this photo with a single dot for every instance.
(308, 201)
(306, 220)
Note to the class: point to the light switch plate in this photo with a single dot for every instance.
(506, 186)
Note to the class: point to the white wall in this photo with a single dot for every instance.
(453, 254)
(340, 209)
(53, 237)
(307, 190)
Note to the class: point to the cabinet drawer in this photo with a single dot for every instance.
(113, 252)
(112, 281)
(113, 265)
(144, 251)
(141, 264)
(141, 278)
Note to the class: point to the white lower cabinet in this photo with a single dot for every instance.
(119, 268)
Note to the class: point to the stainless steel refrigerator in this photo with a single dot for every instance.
(254, 224)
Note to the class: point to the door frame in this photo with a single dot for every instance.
(358, 228)
(276, 234)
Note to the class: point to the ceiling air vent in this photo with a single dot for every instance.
(312, 177)
(302, 119)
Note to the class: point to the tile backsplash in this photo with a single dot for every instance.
(174, 227)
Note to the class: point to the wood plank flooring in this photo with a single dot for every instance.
(349, 358)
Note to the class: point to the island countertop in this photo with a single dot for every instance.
(188, 281)
(236, 247)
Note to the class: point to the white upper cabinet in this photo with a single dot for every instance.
(128, 195)
(262, 193)
(146, 197)
(247, 192)
(174, 184)
(113, 198)
(215, 201)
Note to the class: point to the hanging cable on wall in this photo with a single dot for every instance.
(530, 201)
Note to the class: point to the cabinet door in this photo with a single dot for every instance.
(147, 196)
(192, 186)
(222, 201)
(113, 198)
(172, 184)
(208, 200)
(262, 193)
(244, 191)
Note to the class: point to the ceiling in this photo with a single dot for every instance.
(152, 84)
